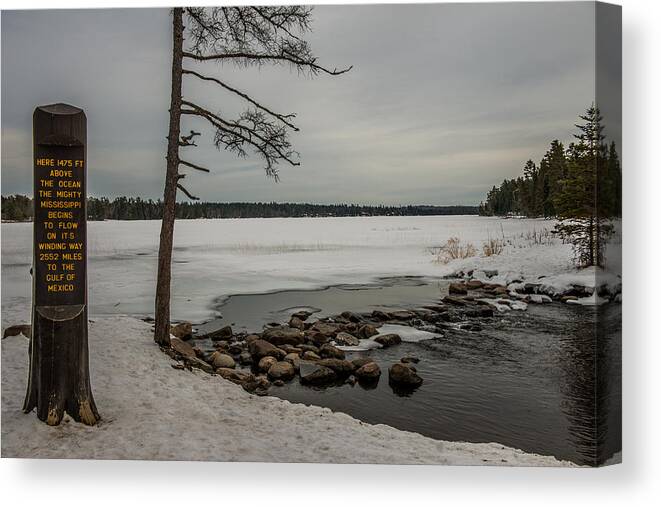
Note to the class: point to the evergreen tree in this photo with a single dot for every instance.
(582, 211)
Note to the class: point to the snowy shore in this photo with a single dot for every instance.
(151, 411)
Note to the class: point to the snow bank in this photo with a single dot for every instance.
(151, 411)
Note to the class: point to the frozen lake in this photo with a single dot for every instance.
(217, 258)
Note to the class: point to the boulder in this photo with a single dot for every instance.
(283, 335)
(265, 363)
(183, 330)
(15, 330)
(313, 374)
(221, 345)
(346, 339)
(410, 359)
(294, 359)
(251, 338)
(351, 316)
(304, 347)
(297, 323)
(245, 358)
(261, 348)
(258, 385)
(340, 366)
(238, 377)
(361, 361)
(453, 300)
(220, 360)
(474, 284)
(326, 328)
(195, 362)
(458, 288)
(182, 348)
(367, 331)
(302, 315)
(404, 375)
(369, 371)
(401, 315)
(235, 349)
(328, 350)
(310, 356)
(380, 315)
(388, 340)
(291, 349)
(224, 333)
(282, 370)
(317, 338)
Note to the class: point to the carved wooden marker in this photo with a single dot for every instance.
(59, 364)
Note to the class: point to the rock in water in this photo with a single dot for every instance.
(405, 375)
(351, 316)
(326, 328)
(220, 360)
(183, 330)
(361, 361)
(261, 348)
(458, 288)
(317, 338)
(367, 331)
(369, 371)
(328, 350)
(474, 284)
(388, 340)
(310, 355)
(282, 370)
(296, 323)
(340, 366)
(317, 375)
(294, 359)
(265, 363)
(245, 358)
(224, 333)
(346, 339)
(302, 315)
(284, 335)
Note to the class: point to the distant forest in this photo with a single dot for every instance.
(19, 208)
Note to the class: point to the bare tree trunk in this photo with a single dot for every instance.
(162, 310)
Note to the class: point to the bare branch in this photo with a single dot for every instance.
(299, 63)
(194, 166)
(282, 117)
(190, 196)
(272, 138)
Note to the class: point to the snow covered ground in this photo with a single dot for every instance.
(217, 258)
(208, 418)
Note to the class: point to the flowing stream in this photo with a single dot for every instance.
(526, 380)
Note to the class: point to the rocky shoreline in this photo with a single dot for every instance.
(314, 351)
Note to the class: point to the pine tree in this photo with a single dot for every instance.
(580, 206)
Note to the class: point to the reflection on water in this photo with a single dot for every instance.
(547, 380)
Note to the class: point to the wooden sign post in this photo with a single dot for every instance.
(59, 364)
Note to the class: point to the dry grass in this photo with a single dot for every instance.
(493, 247)
(453, 249)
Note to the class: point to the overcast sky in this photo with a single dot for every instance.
(444, 101)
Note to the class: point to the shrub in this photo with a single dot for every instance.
(453, 249)
(493, 247)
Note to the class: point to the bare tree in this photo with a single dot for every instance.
(243, 36)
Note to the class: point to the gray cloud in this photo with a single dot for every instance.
(444, 100)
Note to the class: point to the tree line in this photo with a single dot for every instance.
(580, 185)
(19, 208)
(542, 189)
